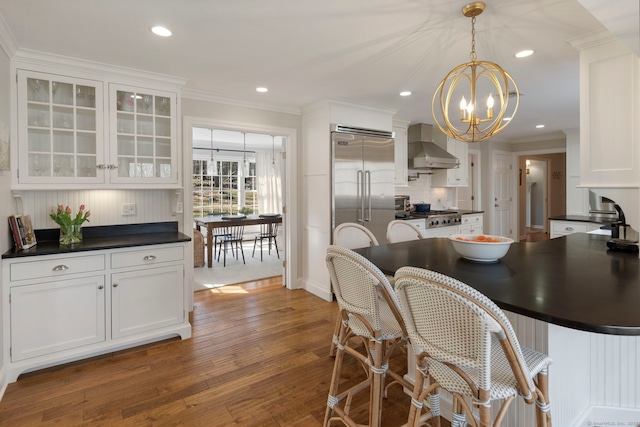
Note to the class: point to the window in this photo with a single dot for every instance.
(221, 192)
(219, 184)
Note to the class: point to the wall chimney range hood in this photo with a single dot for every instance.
(423, 153)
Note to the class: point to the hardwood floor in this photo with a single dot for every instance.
(258, 357)
(535, 235)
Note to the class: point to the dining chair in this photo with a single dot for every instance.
(465, 345)
(268, 232)
(353, 235)
(401, 231)
(371, 329)
(233, 240)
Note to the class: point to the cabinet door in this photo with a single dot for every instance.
(55, 316)
(60, 129)
(440, 232)
(144, 300)
(457, 177)
(143, 146)
(400, 155)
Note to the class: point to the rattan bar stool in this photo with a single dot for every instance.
(400, 230)
(372, 330)
(466, 344)
(350, 235)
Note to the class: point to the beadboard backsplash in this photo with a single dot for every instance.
(105, 205)
(420, 190)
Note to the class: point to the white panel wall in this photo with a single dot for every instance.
(151, 206)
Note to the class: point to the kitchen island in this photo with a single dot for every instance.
(568, 297)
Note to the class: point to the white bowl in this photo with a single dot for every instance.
(469, 247)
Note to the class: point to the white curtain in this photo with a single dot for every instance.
(269, 182)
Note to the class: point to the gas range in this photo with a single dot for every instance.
(435, 219)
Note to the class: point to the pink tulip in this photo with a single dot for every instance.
(68, 209)
(88, 214)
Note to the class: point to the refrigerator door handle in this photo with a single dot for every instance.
(359, 195)
(367, 179)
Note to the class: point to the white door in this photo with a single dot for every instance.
(502, 194)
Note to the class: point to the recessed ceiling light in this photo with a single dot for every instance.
(405, 93)
(539, 126)
(161, 31)
(524, 53)
(262, 89)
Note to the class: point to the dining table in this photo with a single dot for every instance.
(571, 298)
(212, 222)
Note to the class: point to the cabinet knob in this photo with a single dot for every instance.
(100, 287)
(115, 285)
(60, 267)
(149, 258)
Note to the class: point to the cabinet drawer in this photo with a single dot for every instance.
(569, 227)
(472, 219)
(44, 267)
(148, 256)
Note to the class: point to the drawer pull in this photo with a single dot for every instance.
(149, 258)
(60, 267)
(568, 228)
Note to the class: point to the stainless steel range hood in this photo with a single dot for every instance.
(423, 153)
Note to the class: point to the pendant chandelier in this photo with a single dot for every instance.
(468, 82)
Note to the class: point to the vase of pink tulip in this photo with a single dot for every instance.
(70, 227)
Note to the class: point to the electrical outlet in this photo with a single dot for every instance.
(179, 207)
(128, 209)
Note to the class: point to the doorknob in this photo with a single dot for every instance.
(496, 205)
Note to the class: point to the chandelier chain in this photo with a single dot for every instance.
(473, 54)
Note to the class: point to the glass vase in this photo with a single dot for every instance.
(70, 234)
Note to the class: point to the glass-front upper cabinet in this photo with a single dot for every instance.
(143, 135)
(60, 129)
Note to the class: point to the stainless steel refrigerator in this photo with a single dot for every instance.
(363, 175)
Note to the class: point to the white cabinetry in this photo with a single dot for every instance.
(400, 152)
(419, 224)
(440, 232)
(58, 308)
(458, 177)
(60, 129)
(471, 224)
(79, 133)
(143, 135)
(562, 228)
(40, 327)
(609, 108)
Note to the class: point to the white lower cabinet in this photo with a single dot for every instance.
(59, 308)
(51, 317)
(440, 232)
(563, 228)
(471, 224)
(145, 300)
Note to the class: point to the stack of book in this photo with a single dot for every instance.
(22, 231)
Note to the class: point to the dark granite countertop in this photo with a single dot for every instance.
(572, 281)
(584, 218)
(104, 237)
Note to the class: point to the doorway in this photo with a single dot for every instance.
(541, 193)
(286, 262)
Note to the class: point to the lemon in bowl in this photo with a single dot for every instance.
(480, 247)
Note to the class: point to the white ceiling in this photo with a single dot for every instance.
(361, 51)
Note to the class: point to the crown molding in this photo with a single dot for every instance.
(7, 41)
(592, 39)
(228, 100)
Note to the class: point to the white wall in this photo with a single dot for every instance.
(5, 176)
